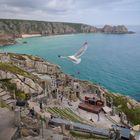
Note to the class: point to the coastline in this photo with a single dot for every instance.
(111, 91)
(10, 39)
(44, 28)
(31, 65)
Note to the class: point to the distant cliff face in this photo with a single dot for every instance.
(6, 40)
(115, 29)
(15, 28)
(18, 27)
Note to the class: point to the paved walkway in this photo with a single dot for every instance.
(7, 129)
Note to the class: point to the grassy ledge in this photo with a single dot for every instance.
(16, 70)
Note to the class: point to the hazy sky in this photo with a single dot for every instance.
(94, 12)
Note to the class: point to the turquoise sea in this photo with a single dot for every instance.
(112, 61)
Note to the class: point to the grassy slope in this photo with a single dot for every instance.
(132, 114)
(15, 70)
(22, 57)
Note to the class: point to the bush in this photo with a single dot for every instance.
(132, 114)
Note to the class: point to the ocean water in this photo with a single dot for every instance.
(112, 61)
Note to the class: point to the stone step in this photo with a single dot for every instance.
(10, 101)
(6, 97)
(2, 93)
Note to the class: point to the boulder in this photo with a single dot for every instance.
(27, 85)
(5, 58)
(41, 67)
(10, 75)
(6, 75)
(3, 75)
(29, 63)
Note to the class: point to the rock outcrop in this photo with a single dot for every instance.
(19, 27)
(6, 40)
(27, 85)
(19, 69)
(30, 127)
(24, 84)
(6, 75)
(120, 29)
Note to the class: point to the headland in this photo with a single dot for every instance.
(47, 102)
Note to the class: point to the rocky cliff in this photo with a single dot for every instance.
(6, 40)
(15, 28)
(27, 75)
(18, 27)
(120, 29)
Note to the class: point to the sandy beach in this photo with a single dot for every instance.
(30, 35)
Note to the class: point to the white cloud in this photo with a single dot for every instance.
(87, 11)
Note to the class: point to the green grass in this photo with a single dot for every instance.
(22, 57)
(65, 113)
(133, 114)
(85, 136)
(3, 104)
(20, 96)
(16, 70)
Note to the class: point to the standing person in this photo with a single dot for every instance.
(62, 98)
(40, 105)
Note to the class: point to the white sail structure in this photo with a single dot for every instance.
(76, 57)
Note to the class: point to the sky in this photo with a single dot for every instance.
(93, 12)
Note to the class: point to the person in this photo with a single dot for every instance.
(40, 105)
(69, 103)
(61, 98)
(52, 117)
(91, 120)
(98, 116)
